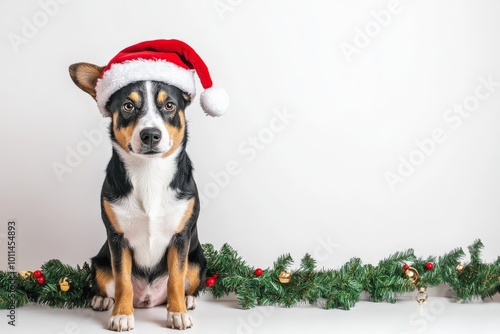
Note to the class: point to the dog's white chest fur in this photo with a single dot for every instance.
(150, 215)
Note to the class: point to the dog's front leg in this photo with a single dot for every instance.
(122, 317)
(177, 315)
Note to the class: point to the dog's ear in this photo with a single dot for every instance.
(85, 76)
(187, 98)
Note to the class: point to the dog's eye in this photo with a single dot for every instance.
(128, 106)
(169, 106)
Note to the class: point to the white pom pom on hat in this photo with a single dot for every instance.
(214, 101)
(170, 61)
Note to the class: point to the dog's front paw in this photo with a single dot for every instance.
(100, 303)
(190, 302)
(121, 322)
(179, 320)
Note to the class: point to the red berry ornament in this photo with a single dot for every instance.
(406, 267)
(258, 272)
(41, 280)
(37, 274)
(210, 282)
(429, 266)
(215, 276)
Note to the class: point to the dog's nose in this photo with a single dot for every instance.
(150, 136)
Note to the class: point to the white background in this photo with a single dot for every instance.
(318, 184)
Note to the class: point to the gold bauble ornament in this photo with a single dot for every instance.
(421, 295)
(64, 284)
(285, 276)
(25, 274)
(460, 267)
(412, 274)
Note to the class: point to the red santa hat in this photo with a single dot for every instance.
(170, 61)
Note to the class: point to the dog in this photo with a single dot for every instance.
(149, 199)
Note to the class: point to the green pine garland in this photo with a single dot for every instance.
(17, 290)
(339, 288)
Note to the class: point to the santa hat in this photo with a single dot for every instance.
(170, 61)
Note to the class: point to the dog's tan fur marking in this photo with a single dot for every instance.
(177, 271)
(161, 97)
(176, 134)
(187, 214)
(193, 276)
(102, 278)
(124, 134)
(135, 97)
(124, 292)
(111, 216)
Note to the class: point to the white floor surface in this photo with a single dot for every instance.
(437, 315)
